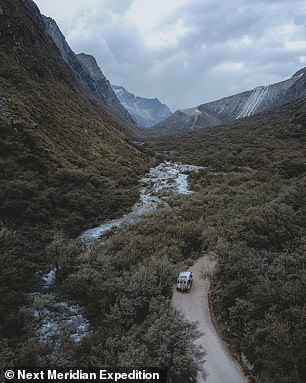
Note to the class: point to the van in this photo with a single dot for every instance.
(184, 281)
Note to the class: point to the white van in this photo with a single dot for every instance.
(184, 281)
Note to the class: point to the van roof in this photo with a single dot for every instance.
(184, 274)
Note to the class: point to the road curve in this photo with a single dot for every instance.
(220, 365)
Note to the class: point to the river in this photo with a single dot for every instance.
(62, 316)
(160, 182)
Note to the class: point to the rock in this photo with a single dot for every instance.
(228, 109)
(87, 72)
(145, 111)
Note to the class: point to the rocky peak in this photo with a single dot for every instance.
(146, 111)
(55, 33)
(228, 109)
(87, 72)
(91, 64)
(300, 72)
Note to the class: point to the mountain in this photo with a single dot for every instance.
(145, 111)
(67, 163)
(228, 109)
(87, 72)
(48, 122)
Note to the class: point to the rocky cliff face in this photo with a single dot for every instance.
(145, 111)
(103, 87)
(228, 109)
(87, 72)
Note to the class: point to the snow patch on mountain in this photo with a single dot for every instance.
(147, 112)
(265, 94)
(192, 112)
(252, 103)
(229, 109)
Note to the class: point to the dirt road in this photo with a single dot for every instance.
(221, 367)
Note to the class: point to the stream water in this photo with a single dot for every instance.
(165, 179)
(63, 316)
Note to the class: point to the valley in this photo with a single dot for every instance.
(99, 215)
(56, 316)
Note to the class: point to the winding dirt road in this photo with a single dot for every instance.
(221, 367)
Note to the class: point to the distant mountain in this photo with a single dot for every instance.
(87, 72)
(145, 111)
(228, 109)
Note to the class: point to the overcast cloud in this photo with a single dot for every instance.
(186, 52)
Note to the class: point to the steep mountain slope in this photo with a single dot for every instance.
(46, 118)
(87, 72)
(238, 106)
(146, 112)
(66, 162)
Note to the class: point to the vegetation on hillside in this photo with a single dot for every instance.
(125, 283)
(63, 167)
(66, 165)
(250, 207)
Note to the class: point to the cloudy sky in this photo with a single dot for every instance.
(186, 52)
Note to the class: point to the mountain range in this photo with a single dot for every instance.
(70, 159)
(87, 72)
(151, 113)
(229, 109)
(145, 111)
(133, 109)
